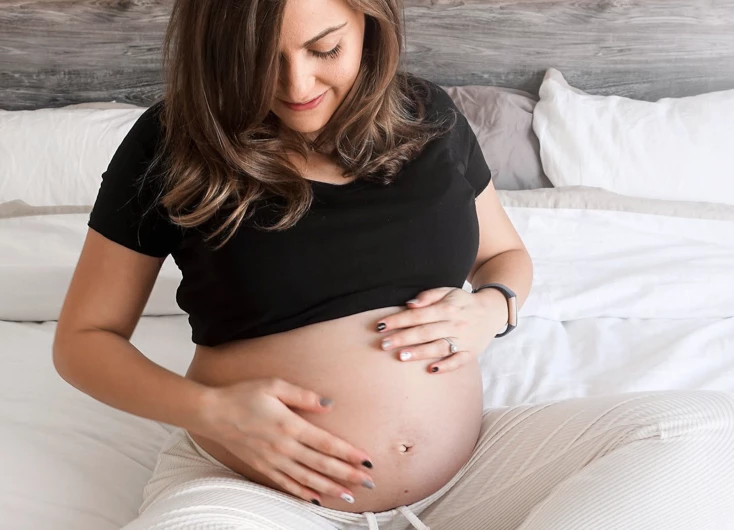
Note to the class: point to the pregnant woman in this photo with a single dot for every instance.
(325, 209)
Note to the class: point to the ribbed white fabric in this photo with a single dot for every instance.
(634, 461)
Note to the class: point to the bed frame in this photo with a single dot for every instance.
(59, 52)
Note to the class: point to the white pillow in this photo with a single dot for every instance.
(672, 149)
(38, 255)
(51, 157)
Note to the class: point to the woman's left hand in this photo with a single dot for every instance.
(469, 320)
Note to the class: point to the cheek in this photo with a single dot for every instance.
(343, 75)
(343, 71)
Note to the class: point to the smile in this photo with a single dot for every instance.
(308, 105)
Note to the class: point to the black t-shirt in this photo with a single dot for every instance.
(361, 245)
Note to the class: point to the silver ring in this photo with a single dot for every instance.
(453, 348)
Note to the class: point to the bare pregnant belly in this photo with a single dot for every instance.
(419, 428)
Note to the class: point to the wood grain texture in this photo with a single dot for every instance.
(642, 49)
(58, 52)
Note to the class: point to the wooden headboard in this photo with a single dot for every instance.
(59, 52)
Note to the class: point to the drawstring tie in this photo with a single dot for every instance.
(407, 513)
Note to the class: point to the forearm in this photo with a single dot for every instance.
(513, 268)
(110, 369)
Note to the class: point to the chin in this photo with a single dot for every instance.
(304, 126)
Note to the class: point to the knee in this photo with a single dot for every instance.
(719, 406)
(686, 413)
(707, 434)
(706, 411)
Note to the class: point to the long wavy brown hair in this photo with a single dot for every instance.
(221, 151)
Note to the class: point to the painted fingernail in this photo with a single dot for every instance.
(347, 498)
(413, 301)
(368, 484)
(405, 356)
(381, 326)
(434, 369)
(316, 502)
(386, 344)
(367, 464)
(325, 402)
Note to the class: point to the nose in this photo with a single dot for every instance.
(298, 81)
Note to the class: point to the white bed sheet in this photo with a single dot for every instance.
(621, 302)
(72, 463)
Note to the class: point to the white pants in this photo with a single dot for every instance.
(633, 461)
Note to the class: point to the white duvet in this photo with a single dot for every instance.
(628, 265)
(622, 299)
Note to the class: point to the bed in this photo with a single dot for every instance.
(633, 262)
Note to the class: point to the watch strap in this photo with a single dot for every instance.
(511, 304)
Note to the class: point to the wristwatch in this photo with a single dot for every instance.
(511, 305)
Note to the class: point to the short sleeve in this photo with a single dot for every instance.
(477, 171)
(464, 141)
(126, 209)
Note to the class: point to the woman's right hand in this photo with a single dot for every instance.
(252, 419)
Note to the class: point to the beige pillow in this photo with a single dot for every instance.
(502, 119)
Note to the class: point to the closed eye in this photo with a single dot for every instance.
(331, 54)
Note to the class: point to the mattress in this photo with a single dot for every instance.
(638, 297)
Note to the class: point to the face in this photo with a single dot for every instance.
(321, 52)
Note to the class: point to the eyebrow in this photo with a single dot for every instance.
(323, 34)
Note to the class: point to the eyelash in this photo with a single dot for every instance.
(331, 54)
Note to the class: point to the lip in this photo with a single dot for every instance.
(305, 106)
